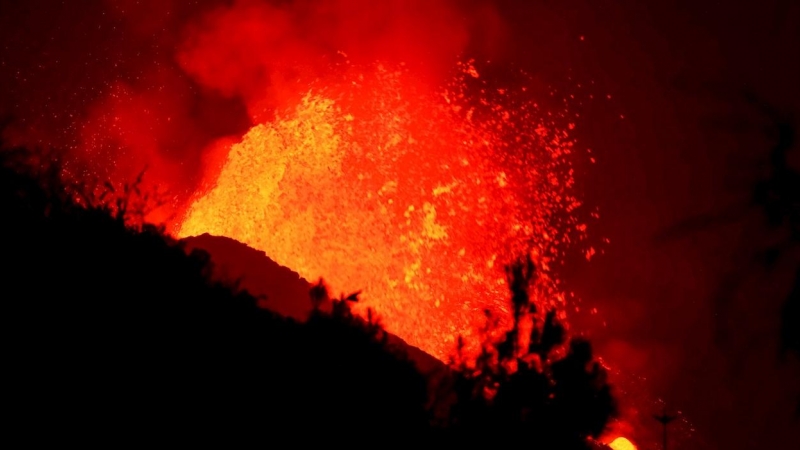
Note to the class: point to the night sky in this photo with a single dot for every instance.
(671, 129)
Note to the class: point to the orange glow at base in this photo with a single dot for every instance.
(416, 196)
(621, 443)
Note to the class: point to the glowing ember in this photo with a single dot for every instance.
(621, 443)
(414, 196)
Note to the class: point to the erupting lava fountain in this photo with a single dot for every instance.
(416, 196)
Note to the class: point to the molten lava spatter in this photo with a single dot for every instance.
(415, 196)
(621, 443)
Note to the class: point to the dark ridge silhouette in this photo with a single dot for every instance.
(116, 333)
(279, 288)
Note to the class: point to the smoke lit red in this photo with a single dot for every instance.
(344, 139)
(416, 195)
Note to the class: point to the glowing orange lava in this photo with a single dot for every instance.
(417, 197)
(621, 443)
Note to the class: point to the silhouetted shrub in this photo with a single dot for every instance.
(515, 392)
(113, 333)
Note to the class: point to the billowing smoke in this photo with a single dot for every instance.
(167, 85)
(125, 86)
(253, 49)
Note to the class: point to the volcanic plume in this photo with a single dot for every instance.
(190, 92)
(348, 139)
(351, 140)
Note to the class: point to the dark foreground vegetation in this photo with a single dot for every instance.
(114, 334)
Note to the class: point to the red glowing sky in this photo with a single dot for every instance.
(124, 73)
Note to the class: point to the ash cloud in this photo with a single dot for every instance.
(251, 47)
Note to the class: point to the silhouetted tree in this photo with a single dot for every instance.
(529, 393)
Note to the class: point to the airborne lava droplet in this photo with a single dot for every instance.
(622, 443)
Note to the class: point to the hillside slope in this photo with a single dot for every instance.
(284, 290)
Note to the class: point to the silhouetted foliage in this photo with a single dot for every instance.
(113, 332)
(512, 392)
